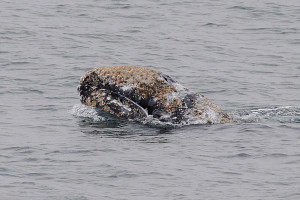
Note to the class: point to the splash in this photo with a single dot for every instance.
(83, 111)
(93, 114)
(282, 114)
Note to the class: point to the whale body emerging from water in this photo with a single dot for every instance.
(136, 93)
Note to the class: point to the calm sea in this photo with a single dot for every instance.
(243, 55)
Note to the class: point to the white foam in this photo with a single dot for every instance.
(80, 110)
(282, 114)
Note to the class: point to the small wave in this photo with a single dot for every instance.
(241, 8)
(282, 114)
(80, 110)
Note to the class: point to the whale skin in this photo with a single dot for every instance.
(136, 93)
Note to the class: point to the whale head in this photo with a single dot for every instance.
(135, 93)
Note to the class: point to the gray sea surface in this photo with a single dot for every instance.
(243, 55)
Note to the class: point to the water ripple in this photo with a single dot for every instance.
(241, 55)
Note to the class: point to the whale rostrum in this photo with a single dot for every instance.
(135, 93)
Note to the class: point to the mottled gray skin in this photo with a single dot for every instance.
(135, 93)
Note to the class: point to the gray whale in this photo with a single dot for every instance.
(135, 93)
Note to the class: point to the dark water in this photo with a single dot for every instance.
(243, 55)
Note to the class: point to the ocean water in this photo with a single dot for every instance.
(243, 55)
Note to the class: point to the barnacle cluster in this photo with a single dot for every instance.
(135, 92)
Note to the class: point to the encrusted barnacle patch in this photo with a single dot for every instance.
(135, 92)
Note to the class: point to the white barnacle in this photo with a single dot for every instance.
(126, 87)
